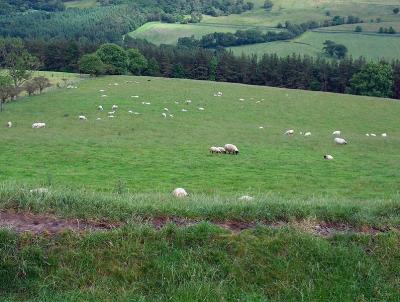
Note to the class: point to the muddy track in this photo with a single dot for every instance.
(21, 222)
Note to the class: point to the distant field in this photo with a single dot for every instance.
(371, 47)
(166, 33)
(311, 43)
(147, 153)
(81, 4)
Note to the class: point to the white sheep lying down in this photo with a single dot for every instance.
(340, 141)
(38, 125)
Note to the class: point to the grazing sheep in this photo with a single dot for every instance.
(114, 107)
(135, 96)
(38, 125)
(100, 108)
(261, 127)
(307, 134)
(98, 119)
(221, 150)
(241, 100)
(147, 103)
(184, 110)
(171, 116)
(130, 111)
(101, 90)
(201, 108)
(373, 134)
(176, 102)
(384, 134)
(231, 149)
(111, 112)
(111, 116)
(179, 193)
(104, 95)
(367, 134)
(340, 141)
(164, 115)
(214, 149)
(82, 118)
(289, 132)
(166, 109)
(258, 102)
(9, 124)
(246, 198)
(188, 101)
(328, 157)
(337, 133)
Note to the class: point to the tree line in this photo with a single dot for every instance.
(253, 36)
(138, 57)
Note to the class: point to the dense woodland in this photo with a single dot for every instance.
(73, 40)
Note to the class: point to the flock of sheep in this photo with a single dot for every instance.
(227, 149)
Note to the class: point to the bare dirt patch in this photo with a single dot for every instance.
(44, 223)
(20, 222)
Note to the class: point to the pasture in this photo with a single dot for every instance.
(371, 46)
(367, 44)
(149, 153)
(316, 230)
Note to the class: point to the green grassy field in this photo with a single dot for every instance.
(81, 4)
(147, 153)
(166, 33)
(369, 46)
(372, 47)
(122, 170)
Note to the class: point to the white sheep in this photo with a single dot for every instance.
(179, 193)
(373, 134)
(82, 118)
(39, 191)
(184, 110)
(221, 149)
(231, 149)
(100, 108)
(367, 134)
(111, 116)
(201, 108)
(164, 115)
(340, 141)
(135, 96)
(241, 100)
(289, 132)
(246, 198)
(214, 149)
(337, 133)
(261, 127)
(328, 157)
(307, 134)
(384, 134)
(101, 90)
(111, 113)
(9, 124)
(171, 116)
(130, 111)
(98, 119)
(104, 95)
(38, 125)
(188, 101)
(166, 109)
(114, 107)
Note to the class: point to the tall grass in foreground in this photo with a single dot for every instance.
(126, 206)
